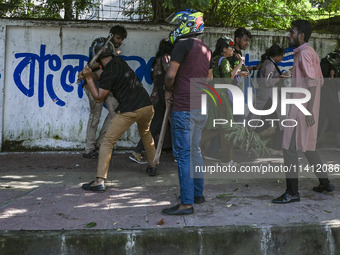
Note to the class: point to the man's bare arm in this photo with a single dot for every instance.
(171, 75)
(169, 80)
(97, 93)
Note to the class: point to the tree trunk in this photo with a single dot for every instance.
(158, 10)
(68, 8)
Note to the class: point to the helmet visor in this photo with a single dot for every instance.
(174, 18)
(178, 16)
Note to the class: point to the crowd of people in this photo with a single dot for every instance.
(181, 58)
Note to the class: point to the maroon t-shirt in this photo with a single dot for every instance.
(195, 60)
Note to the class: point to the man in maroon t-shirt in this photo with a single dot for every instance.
(190, 58)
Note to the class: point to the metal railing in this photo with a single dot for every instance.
(113, 10)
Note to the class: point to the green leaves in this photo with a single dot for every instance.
(224, 195)
(326, 5)
(195, 4)
(259, 14)
(45, 8)
(256, 14)
(234, 13)
(91, 225)
(248, 140)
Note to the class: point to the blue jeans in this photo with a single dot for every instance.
(186, 131)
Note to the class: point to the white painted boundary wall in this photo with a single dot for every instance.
(42, 107)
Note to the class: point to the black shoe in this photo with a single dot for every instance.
(174, 211)
(286, 198)
(152, 171)
(97, 188)
(197, 200)
(92, 154)
(324, 187)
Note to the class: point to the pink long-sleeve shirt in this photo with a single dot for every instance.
(306, 73)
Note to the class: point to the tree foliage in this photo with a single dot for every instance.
(326, 5)
(143, 9)
(159, 10)
(180, 4)
(257, 14)
(330, 7)
(44, 8)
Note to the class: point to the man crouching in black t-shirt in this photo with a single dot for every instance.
(134, 106)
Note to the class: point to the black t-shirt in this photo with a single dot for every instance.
(125, 86)
(233, 60)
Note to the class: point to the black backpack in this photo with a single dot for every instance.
(331, 61)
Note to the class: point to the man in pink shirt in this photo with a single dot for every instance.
(306, 74)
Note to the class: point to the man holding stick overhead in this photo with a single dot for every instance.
(117, 35)
(134, 106)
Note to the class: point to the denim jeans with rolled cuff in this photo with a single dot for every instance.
(186, 131)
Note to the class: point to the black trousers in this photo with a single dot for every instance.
(291, 160)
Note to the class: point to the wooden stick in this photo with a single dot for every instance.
(162, 134)
(98, 53)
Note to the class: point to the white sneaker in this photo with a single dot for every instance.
(138, 158)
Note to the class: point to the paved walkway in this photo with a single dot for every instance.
(42, 191)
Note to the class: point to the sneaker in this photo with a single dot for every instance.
(138, 158)
(92, 154)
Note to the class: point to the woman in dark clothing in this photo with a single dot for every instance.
(268, 77)
(159, 68)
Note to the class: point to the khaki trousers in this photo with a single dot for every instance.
(95, 112)
(119, 124)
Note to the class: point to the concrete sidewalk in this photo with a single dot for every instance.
(42, 192)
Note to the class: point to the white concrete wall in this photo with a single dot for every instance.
(42, 107)
(2, 76)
